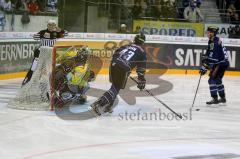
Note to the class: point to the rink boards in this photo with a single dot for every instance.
(168, 55)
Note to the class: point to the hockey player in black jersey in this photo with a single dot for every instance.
(215, 59)
(47, 37)
(123, 61)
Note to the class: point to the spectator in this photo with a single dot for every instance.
(237, 5)
(137, 30)
(192, 13)
(237, 28)
(170, 10)
(41, 4)
(51, 5)
(151, 10)
(123, 29)
(234, 32)
(2, 20)
(136, 10)
(181, 5)
(234, 17)
(6, 5)
(33, 7)
(199, 2)
(21, 5)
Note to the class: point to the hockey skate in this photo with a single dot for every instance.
(102, 106)
(109, 108)
(213, 101)
(98, 107)
(222, 101)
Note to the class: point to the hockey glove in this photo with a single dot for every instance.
(203, 70)
(91, 76)
(141, 82)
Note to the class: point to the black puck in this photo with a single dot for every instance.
(197, 109)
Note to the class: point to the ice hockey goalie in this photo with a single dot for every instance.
(72, 77)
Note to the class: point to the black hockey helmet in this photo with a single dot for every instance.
(213, 29)
(139, 39)
(83, 54)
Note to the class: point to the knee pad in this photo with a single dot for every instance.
(218, 81)
(211, 81)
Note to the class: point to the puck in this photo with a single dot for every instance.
(197, 109)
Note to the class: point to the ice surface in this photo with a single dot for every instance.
(211, 133)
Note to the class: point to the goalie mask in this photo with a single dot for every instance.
(83, 54)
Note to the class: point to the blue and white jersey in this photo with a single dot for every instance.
(134, 55)
(216, 53)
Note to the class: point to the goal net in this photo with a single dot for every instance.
(58, 73)
(36, 94)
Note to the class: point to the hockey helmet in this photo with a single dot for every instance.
(51, 24)
(51, 21)
(83, 54)
(213, 29)
(139, 39)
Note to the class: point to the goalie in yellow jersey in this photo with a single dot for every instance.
(72, 77)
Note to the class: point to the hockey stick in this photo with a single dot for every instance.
(151, 94)
(196, 93)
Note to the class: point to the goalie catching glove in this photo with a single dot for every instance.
(141, 82)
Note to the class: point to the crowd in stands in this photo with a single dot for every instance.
(154, 9)
(233, 10)
(31, 6)
(167, 9)
(234, 32)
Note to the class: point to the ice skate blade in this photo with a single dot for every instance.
(97, 110)
(223, 104)
(212, 105)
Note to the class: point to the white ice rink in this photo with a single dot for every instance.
(211, 133)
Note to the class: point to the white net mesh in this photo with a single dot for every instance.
(35, 95)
